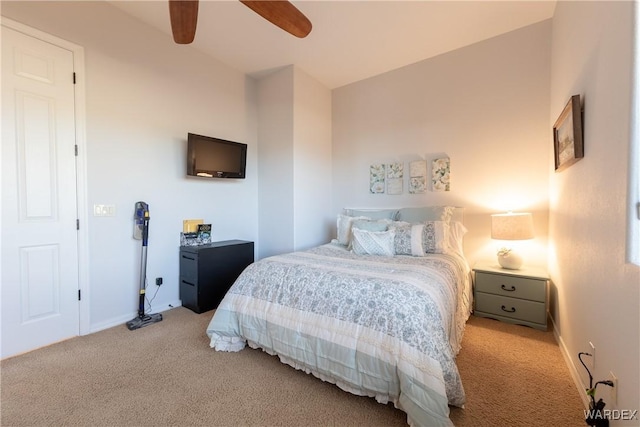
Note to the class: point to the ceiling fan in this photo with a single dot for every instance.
(184, 17)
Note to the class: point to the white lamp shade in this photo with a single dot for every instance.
(512, 226)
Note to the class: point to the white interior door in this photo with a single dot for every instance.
(39, 203)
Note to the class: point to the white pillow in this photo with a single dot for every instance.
(344, 228)
(456, 232)
(373, 242)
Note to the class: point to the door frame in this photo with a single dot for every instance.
(81, 161)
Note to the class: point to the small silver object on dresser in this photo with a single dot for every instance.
(513, 296)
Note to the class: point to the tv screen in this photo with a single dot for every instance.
(215, 158)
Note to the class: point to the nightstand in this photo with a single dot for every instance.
(514, 296)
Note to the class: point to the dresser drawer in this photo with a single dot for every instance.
(189, 267)
(514, 308)
(511, 286)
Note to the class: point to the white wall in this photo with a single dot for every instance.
(275, 153)
(485, 106)
(294, 161)
(144, 94)
(312, 162)
(596, 291)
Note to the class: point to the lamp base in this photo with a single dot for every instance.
(510, 261)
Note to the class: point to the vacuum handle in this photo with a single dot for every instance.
(145, 231)
(141, 221)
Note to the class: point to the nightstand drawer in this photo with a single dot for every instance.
(513, 308)
(511, 286)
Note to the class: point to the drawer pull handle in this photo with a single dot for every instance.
(513, 309)
(187, 257)
(504, 288)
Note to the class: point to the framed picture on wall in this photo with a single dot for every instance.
(417, 176)
(377, 176)
(395, 177)
(568, 145)
(441, 174)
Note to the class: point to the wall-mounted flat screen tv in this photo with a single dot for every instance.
(215, 158)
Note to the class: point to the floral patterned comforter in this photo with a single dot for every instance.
(385, 327)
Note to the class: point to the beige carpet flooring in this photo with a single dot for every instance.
(166, 375)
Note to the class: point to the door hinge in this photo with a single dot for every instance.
(638, 209)
(74, 77)
(76, 149)
(79, 295)
(77, 224)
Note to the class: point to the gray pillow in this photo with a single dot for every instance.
(371, 225)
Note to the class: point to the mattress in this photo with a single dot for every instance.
(387, 327)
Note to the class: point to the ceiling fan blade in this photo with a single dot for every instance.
(282, 14)
(184, 18)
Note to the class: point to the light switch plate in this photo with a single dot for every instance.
(104, 210)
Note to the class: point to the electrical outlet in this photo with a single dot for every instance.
(158, 281)
(613, 391)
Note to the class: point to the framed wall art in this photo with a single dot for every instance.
(441, 174)
(568, 145)
(377, 175)
(395, 177)
(417, 176)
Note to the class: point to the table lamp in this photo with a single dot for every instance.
(511, 226)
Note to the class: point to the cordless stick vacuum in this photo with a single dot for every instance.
(596, 416)
(141, 232)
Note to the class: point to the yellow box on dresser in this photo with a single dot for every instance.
(514, 296)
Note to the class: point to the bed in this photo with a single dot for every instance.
(376, 323)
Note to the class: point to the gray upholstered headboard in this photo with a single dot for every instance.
(410, 214)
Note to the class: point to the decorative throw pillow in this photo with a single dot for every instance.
(420, 239)
(373, 242)
(435, 239)
(408, 240)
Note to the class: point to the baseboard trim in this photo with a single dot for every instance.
(572, 367)
(124, 319)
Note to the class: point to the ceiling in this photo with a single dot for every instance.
(350, 40)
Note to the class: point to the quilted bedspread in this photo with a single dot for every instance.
(385, 327)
